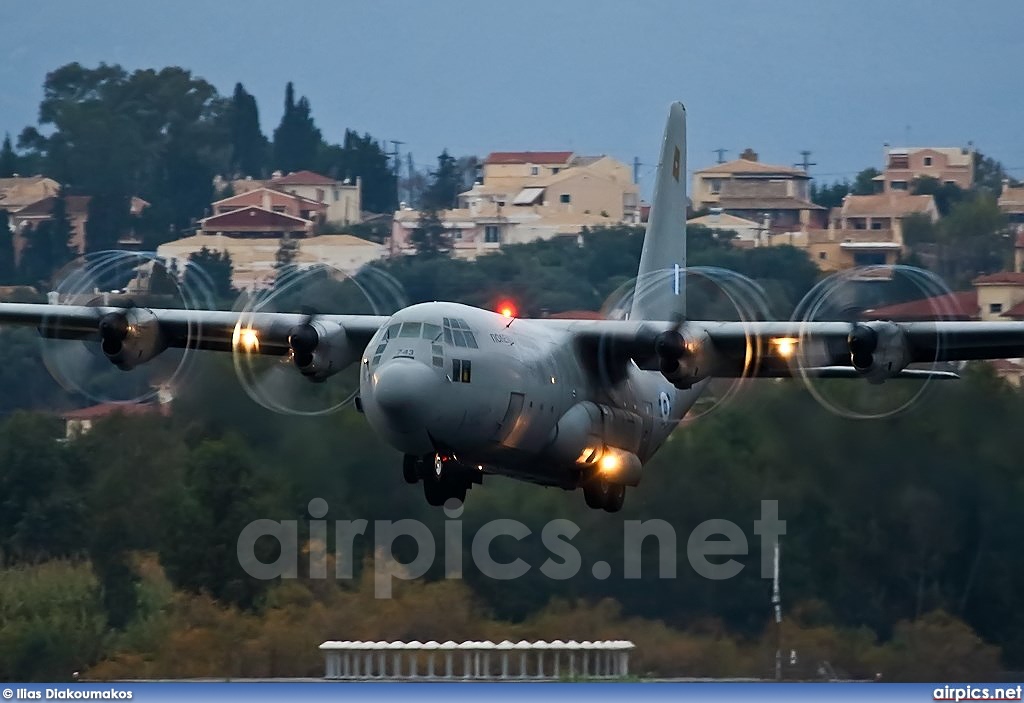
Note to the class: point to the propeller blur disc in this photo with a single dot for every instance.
(120, 279)
(273, 381)
(851, 296)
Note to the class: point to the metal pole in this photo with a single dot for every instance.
(777, 607)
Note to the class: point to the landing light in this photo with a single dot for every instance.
(247, 338)
(609, 463)
(785, 346)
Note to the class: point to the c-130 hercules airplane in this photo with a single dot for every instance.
(465, 392)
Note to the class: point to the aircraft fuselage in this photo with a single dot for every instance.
(507, 395)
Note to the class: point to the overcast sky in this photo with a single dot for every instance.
(592, 76)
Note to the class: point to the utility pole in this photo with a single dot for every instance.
(805, 161)
(394, 153)
(721, 155)
(777, 608)
(409, 186)
(636, 169)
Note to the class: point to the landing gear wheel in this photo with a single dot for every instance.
(410, 468)
(614, 499)
(595, 493)
(438, 465)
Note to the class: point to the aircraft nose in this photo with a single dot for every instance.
(406, 391)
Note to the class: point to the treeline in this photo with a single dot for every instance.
(163, 135)
(900, 555)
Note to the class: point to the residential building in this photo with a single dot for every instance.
(748, 232)
(19, 191)
(342, 199)
(274, 201)
(252, 222)
(558, 181)
(747, 188)
(1011, 202)
(995, 297)
(40, 211)
(953, 165)
(253, 258)
(487, 227)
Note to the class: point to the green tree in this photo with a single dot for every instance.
(248, 145)
(8, 270)
(445, 184)
(989, 175)
(946, 194)
(430, 237)
(108, 220)
(8, 158)
(362, 157)
(830, 195)
(296, 139)
(211, 270)
(284, 259)
(974, 239)
(864, 183)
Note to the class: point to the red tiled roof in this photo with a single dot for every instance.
(1014, 278)
(303, 178)
(962, 305)
(529, 157)
(1016, 312)
(95, 412)
(254, 218)
(275, 197)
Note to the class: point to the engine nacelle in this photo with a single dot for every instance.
(878, 350)
(321, 349)
(694, 362)
(131, 337)
(589, 434)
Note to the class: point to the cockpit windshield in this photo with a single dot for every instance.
(457, 333)
(416, 330)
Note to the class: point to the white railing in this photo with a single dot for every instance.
(476, 660)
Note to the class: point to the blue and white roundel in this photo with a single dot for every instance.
(665, 405)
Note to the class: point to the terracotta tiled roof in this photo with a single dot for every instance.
(1016, 312)
(962, 305)
(275, 197)
(303, 178)
(741, 166)
(528, 157)
(1015, 278)
(894, 204)
(95, 412)
(76, 205)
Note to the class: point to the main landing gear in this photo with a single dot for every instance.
(601, 494)
(443, 477)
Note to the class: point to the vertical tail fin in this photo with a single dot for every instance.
(660, 290)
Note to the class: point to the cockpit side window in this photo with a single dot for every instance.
(390, 333)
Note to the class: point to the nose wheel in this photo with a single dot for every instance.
(443, 477)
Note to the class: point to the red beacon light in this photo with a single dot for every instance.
(507, 309)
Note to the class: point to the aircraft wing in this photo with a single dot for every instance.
(199, 329)
(879, 349)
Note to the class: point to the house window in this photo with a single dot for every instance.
(715, 185)
(565, 198)
(278, 208)
(822, 255)
(319, 195)
(898, 185)
(555, 170)
(995, 308)
(927, 161)
(876, 225)
(534, 170)
(492, 234)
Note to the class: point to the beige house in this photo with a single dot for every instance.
(951, 165)
(77, 206)
(488, 227)
(1011, 202)
(746, 230)
(559, 182)
(19, 191)
(342, 200)
(747, 177)
(253, 258)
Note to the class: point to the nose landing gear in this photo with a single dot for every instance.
(443, 477)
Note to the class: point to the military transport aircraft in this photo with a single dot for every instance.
(465, 392)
